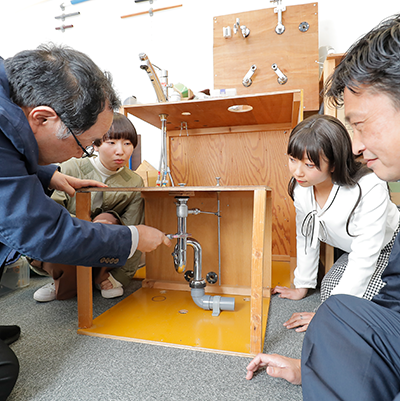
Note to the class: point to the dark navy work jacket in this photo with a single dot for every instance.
(31, 222)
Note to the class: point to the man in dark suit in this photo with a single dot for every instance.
(54, 102)
(351, 350)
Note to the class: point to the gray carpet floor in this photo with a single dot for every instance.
(57, 364)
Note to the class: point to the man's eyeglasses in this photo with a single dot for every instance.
(88, 151)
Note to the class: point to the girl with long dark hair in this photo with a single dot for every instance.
(341, 202)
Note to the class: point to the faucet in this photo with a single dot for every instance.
(279, 9)
(245, 31)
(162, 94)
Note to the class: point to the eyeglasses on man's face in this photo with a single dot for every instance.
(88, 151)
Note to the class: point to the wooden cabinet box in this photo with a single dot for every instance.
(246, 148)
(245, 273)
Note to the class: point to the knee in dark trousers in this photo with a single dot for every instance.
(351, 351)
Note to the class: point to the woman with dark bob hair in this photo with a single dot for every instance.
(114, 150)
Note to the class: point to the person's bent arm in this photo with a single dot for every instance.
(277, 366)
(307, 251)
(369, 231)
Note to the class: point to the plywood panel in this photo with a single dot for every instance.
(268, 108)
(239, 158)
(295, 52)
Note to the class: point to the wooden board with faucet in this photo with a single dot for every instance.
(295, 52)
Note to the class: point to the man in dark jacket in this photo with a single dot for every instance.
(351, 350)
(54, 102)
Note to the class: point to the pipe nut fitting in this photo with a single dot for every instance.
(198, 283)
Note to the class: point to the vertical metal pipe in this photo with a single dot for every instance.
(197, 259)
(182, 213)
(164, 168)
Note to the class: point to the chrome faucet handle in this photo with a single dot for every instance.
(182, 235)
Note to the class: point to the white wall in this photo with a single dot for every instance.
(179, 40)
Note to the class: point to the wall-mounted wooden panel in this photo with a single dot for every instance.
(295, 52)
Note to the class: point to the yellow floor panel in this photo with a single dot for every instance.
(280, 274)
(172, 318)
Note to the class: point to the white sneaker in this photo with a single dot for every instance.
(112, 293)
(116, 291)
(46, 293)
